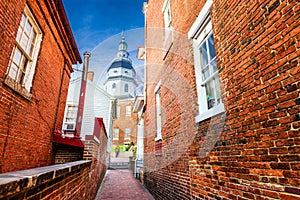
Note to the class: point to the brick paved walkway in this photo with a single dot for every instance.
(120, 184)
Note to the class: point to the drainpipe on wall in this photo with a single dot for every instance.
(82, 94)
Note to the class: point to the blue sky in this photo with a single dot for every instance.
(93, 21)
(97, 26)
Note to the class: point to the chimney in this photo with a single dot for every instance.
(90, 75)
(82, 94)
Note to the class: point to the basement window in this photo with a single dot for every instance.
(24, 55)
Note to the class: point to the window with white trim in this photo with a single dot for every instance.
(127, 133)
(207, 76)
(70, 117)
(158, 112)
(166, 10)
(168, 37)
(128, 111)
(116, 134)
(24, 55)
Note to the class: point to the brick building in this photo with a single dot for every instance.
(124, 126)
(37, 51)
(222, 111)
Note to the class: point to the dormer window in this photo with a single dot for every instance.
(113, 85)
(115, 71)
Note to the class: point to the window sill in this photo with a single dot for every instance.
(157, 138)
(17, 87)
(210, 113)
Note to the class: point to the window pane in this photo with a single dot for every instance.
(211, 47)
(206, 73)
(23, 20)
(19, 34)
(29, 49)
(210, 96)
(23, 64)
(22, 70)
(214, 66)
(218, 89)
(17, 56)
(31, 44)
(203, 55)
(28, 28)
(13, 71)
(24, 41)
(21, 77)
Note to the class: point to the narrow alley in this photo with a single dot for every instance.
(120, 184)
(199, 99)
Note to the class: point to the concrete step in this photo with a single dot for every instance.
(119, 165)
(124, 154)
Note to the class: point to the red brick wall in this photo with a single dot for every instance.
(26, 126)
(71, 181)
(255, 155)
(96, 151)
(64, 154)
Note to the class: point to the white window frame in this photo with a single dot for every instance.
(166, 10)
(199, 32)
(70, 119)
(31, 58)
(116, 132)
(158, 111)
(127, 133)
(128, 111)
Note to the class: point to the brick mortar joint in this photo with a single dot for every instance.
(15, 182)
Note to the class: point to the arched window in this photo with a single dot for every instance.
(113, 85)
(126, 88)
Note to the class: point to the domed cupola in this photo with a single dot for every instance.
(122, 53)
(120, 80)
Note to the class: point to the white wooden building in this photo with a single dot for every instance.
(98, 103)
